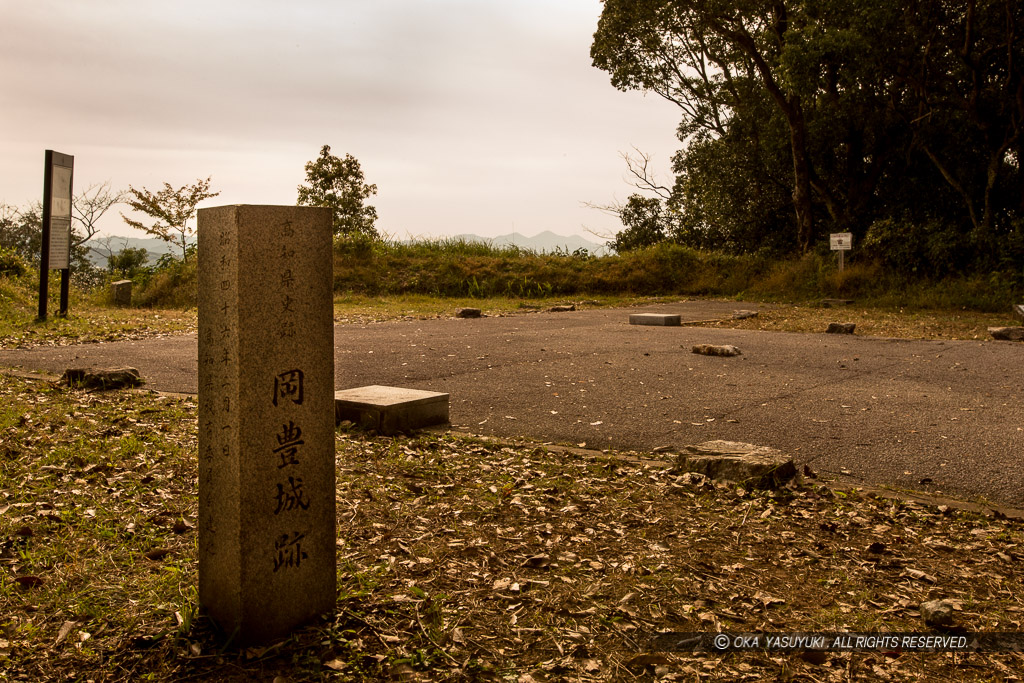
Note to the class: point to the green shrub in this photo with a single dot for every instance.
(456, 268)
(11, 264)
(171, 283)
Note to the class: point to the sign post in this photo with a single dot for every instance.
(841, 242)
(56, 247)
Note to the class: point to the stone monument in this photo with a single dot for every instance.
(266, 419)
(121, 292)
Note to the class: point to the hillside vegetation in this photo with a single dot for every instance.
(453, 268)
(457, 268)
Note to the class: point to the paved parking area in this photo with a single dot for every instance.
(949, 414)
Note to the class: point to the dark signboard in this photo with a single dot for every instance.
(56, 248)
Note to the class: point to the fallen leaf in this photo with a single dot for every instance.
(537, 561)
(645, 660)
(65, 629)
(921, 576)
(767, 600)
(29, 581)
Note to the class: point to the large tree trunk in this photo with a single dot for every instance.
(793, 111)
(801, 176)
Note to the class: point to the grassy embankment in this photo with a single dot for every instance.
(390, 280)
(455, 268)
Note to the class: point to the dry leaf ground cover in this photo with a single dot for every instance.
(89, 323)
(92, 324)
(465, 559)
(875, 322)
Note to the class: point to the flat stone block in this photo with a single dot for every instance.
(829, 303)
(467, 313)
(744, 463)
(1007, 333)
(716, 350)
(660, 319)
(121, 292)
(390, 409)
(114, 378)
(841, 328)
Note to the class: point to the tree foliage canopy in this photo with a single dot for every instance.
(804, 117)
(171, 210)
(21, 230)
(339, 185)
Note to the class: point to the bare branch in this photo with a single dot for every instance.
(645, 180)
(90, 205)
(106, 248)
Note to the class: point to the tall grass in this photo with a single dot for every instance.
(453, 267)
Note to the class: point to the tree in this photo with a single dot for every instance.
(852, 112)
(21, 231)
(647, 220)
(172, 210)
(105, 248)
(969, 82)
(644, 222)
(128, 261)
(339, 185)
(89, 207)
(710, 57)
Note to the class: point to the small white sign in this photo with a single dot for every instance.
(60, 195)
(841, 241)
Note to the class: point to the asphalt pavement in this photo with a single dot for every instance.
(935, 416)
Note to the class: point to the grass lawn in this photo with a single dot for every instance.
(93, 322)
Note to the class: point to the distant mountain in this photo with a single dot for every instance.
(545, 242)
(98, 248)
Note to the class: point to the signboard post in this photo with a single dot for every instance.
(841, 242)
(56, 247)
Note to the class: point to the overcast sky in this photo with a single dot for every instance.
(471, 116)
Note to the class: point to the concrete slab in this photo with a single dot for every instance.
(390, 409)
(660, 319)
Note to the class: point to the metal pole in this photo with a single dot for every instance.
(44, 257)
(65, 290)
(841, 252)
